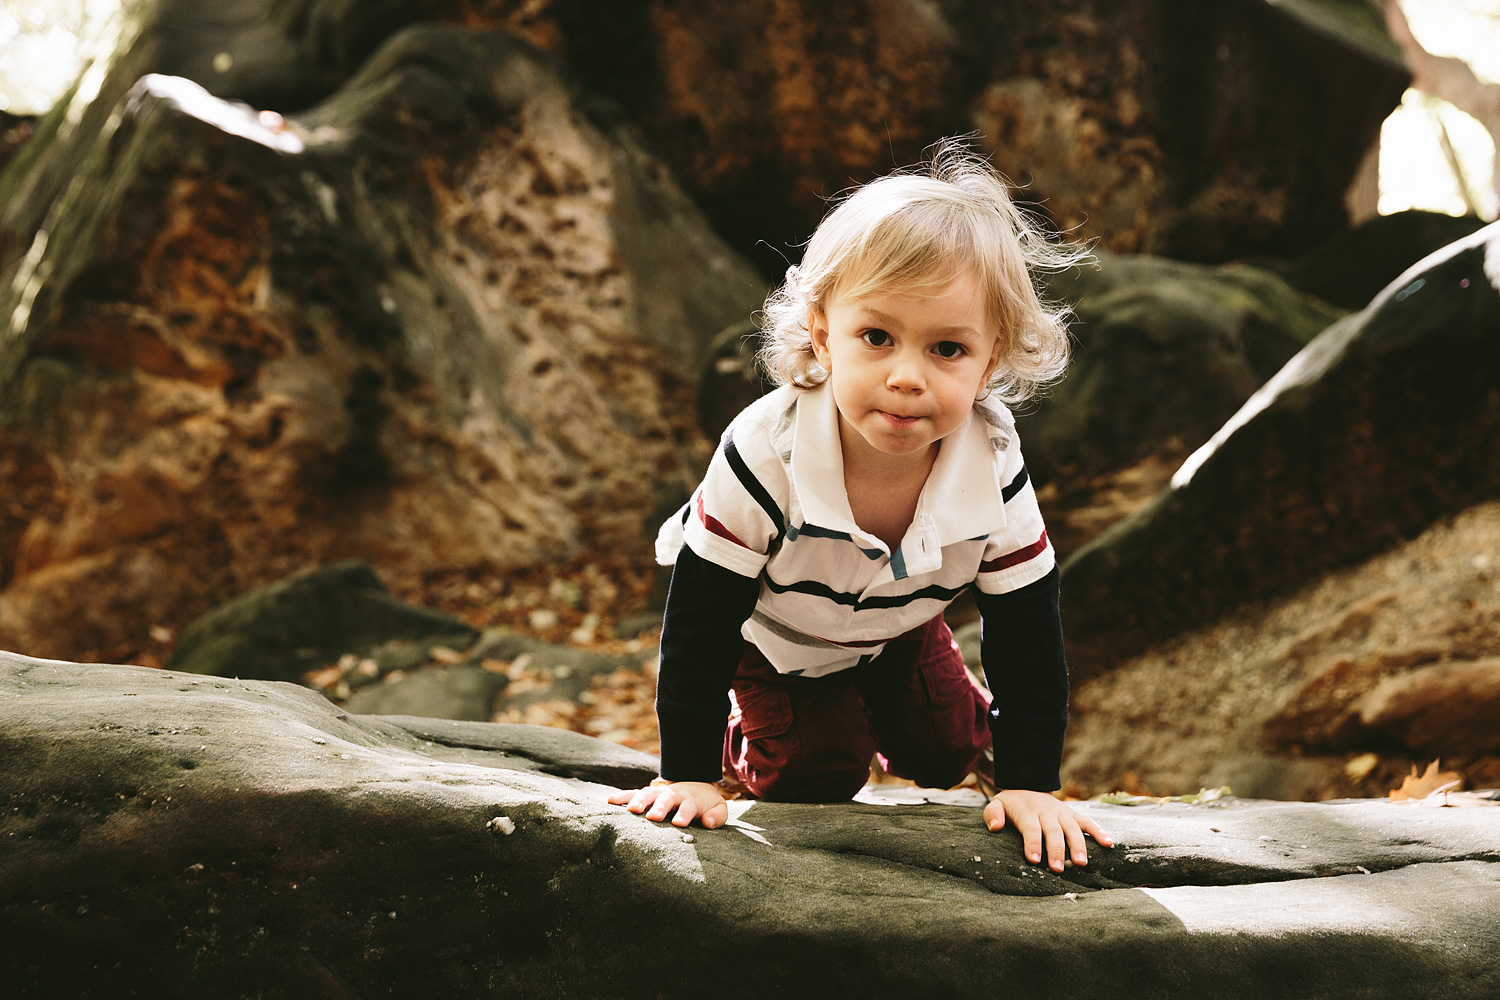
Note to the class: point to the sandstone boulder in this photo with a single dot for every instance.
(1164, 353)
(1350, 268)
(173, 834)
(1388, 421)
(1206, 132)
(281, 631)
(444, 321)
(1338, 688)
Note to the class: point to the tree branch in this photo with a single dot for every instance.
(1446, 78)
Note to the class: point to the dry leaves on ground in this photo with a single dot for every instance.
(1437, 788)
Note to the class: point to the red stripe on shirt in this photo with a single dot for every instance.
(713, 525)
(1017, 557)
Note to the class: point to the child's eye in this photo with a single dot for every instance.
(949, 349)
(877, 338)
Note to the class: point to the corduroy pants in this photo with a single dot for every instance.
(810, 739)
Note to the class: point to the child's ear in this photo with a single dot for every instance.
(989, 371)
(817, 329)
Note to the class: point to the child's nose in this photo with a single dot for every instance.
(906, 373)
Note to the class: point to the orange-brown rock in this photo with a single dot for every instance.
(1205, 131)
(457, 331)
(1395, 657)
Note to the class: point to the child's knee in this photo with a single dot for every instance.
(943, 769)
(811, 782)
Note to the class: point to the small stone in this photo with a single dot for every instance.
(1214, 829)
(501, 826)
(1071, 895)
(319, 740)
(1363, 869)
(687, 838)
(976, 857)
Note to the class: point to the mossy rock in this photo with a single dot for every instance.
(1164, 353)
(282, 630)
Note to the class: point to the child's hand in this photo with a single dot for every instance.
(692, 799)
(1038, 815)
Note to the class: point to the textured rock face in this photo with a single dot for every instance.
(459, 329)
(177, 835)
(1207, 131)
(1335, 689)
(1204, 132)
(1351, 268)
(1164, 353)
(281, 631)
(1385, 423)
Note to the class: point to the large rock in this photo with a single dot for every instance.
(1350, 268)
(282, 630)
(1335, 689)
(1205, 131)
(445, 321)
(1164, 353)
(461, 691)
(1385, 423)
(172, 834)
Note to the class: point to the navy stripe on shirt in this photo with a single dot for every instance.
(815, 589)
(753, 487)
(1015, 485)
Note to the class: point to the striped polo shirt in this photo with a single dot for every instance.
(772, 505)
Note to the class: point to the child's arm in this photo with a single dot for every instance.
(700, 650)
(1021, 649)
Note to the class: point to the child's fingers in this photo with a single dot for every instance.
(1031, 837)
(622, 797)
(994, 816)
(665, 800)
(1056, 842)
(1094, 830)
(716, 816)
(686, 811)
(1076, 844)
(642, 798)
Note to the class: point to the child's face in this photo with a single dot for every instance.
(905, 369)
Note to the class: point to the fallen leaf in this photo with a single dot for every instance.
(1431, 782)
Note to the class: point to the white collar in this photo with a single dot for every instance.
(961, 499)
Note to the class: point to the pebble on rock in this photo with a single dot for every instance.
(501, 826)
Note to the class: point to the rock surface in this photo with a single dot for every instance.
(458, 331)
(1387, 422)
(180, 835)
(1203, 132)
(1335, 689)
(282, 630)
(1164, 353)
(1350, 269)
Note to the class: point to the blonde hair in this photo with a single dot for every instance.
(913, 232)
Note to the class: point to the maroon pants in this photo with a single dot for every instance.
(810, 739)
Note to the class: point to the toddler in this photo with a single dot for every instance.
(843, 512)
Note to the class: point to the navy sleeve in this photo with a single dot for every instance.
(1021, 648)
(701, 647)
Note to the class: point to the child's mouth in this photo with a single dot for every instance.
(897, 420)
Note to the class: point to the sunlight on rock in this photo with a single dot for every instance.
(263, 127)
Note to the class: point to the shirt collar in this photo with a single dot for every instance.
(960, 501)
(817, 467)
